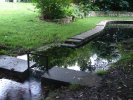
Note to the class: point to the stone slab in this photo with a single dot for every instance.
(13, 64)
(90, 33)
(86, 36)
(68, 45)
(62, 76)
(73, 41)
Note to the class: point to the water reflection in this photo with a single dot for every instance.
(96, 55)
(11, 90)
(91, 57)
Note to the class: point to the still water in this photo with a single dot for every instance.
(28, 90)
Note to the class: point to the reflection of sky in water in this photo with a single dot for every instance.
(96, 63)
(11, 90)
(24, 57)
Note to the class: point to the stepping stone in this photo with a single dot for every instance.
(76, 38)
(63, 76)
(68, 45)
(73, 41)
(82, 38)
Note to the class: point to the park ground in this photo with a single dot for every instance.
(22, 30)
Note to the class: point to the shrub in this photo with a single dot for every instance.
(113, 5)
(56, 9)
(73, 10)
(102, 72)
(53, 9)
(85, 8)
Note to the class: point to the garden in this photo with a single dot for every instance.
(28, 26)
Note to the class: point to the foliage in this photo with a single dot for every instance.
(113, 5)
(102, 72)
(53, 9)
(75, 87)
(85, 8)
(71, 10)
(2, 52)
(81, 1)
(130, 2)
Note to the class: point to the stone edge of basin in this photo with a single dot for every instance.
(12, 73)
(84, 38)
(62, 76)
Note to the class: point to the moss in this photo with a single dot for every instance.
(102, 72)
(2, 52)
(75, 87)
(51, 96)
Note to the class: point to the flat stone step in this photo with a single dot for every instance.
(76, 38)
(68, 45)
(13, 64)
(73, 41)
(82, 38)
(63, 76)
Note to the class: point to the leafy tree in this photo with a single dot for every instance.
(52, 9)
(113, 5)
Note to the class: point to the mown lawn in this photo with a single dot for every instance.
(20, 27)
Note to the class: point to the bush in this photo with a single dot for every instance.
(113, 5)
(53, 9)
(85, 8)
(74, 10)
(56, 9)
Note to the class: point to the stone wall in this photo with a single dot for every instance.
(109, 13)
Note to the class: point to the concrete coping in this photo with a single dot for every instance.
(106, 22)
(94, 32)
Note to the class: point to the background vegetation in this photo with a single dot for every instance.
(20, 27)
(54, 9)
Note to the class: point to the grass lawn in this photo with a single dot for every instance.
(20, 27)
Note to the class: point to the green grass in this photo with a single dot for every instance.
(20, 27)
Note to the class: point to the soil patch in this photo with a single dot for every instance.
(117, 84)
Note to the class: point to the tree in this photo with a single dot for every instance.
(113, 5)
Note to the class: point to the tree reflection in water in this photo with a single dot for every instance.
(96, 55)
